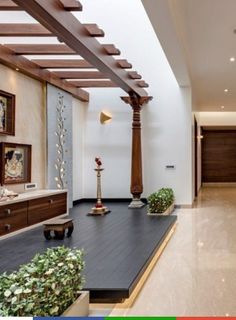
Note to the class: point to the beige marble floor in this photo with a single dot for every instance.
(196, 274)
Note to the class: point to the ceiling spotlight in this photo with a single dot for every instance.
(17, 69)
(232, 59)
(222, 107)
(226, 90)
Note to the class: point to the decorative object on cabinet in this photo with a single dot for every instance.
(7, 113)
(60, 133)
(15, 163)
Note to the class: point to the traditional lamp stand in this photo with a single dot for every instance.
(99, 208)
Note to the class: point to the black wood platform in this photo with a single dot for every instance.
(118, 247)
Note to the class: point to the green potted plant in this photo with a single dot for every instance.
(161, 202)
(47, 286)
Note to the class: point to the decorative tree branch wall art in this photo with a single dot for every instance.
(60, 145)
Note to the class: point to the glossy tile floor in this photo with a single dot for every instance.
(196, 274)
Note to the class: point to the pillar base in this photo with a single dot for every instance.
(136, 203)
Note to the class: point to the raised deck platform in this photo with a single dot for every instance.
(118, 247)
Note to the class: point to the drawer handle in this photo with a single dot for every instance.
(51, 201)
(7, 211)
(7, 227)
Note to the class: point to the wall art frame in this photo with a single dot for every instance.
(7, 113)
(15, 163)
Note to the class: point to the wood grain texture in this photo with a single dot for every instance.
(80, 75)
(46, 208)
(23, 30)
(219, 156)
(72, 5)
(8, 5)
(13, 217)
(136, 187)
(94, 84)
(75, 63)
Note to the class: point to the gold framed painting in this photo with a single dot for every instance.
(7, 113)
(15, 163)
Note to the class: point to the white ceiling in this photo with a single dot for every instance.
(198, 39)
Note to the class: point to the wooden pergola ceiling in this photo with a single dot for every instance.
(75, 38)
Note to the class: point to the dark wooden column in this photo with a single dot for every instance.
(136, 187)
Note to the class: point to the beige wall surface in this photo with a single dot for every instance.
(30, 120)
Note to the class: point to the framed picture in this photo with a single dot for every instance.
(15, 163)
(7, 113)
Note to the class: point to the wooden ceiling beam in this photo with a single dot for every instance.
(8, 57)
(38, 49)
(23, 30)
(37, 30)
(75, 63)
(68, 5)
(53, 49)
(94, 84)
(111, 50)
(65, 26)
(8, 5)
(71, 5)
(124, 64)
(142, 84)
(62, 63)
(134, 75)
(80, 75)
(94, 30)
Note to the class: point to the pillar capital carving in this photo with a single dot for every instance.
(135, 101)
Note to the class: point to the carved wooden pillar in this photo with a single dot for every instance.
(136, 187)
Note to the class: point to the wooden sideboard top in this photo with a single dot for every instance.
(26, 196)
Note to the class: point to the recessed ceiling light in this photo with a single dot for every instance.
(17, 69)
(232, 59)
(226, 90)
(222, 107)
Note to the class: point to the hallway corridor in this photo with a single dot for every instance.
(196, 273)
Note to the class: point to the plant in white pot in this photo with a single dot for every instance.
(161, 202)
(47, 286)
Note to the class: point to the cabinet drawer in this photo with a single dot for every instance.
(38, 210)
(13, 217)
(12, 209)
(58, 204)
(46, 208)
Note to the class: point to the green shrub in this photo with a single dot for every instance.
(159, 201)
(46, 286)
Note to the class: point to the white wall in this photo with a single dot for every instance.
(217, 118)
(167, 137)
(30, 120)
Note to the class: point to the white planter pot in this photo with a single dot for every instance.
(80, 308)
(168, 211)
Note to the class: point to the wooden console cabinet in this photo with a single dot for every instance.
(29, 209)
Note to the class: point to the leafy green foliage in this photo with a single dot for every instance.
(159, 201)
(46, 286)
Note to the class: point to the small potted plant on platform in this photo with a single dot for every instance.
(161, 202)
(47, 286)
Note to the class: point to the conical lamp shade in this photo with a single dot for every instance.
(104, 117)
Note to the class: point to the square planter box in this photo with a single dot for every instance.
(80, 308)
(168, 211)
